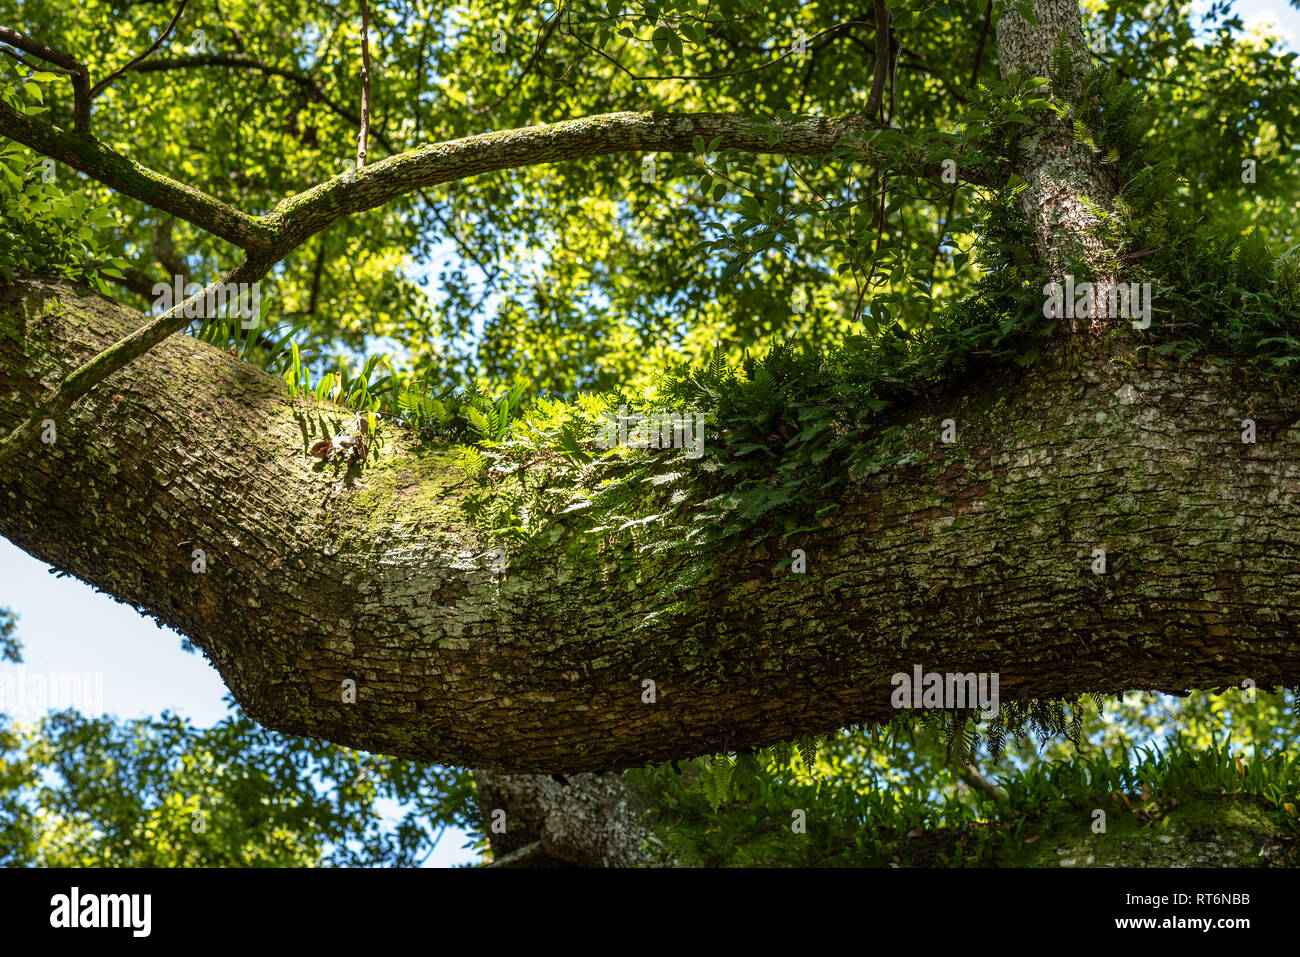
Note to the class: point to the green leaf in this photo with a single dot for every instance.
(659, 39)
(731, 269)
(478, 421)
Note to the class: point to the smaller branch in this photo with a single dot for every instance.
(74, 67)
(978, 782)
(317, 270)
(527, 856)
(103, 84)
(914, 61)
(241, 62)
(1149, 79)
(35, 67)
(39, 50)
(136, 281)
(164, 249)
(87, 155)
(363, 137)
(90, 374)
(979, 47)
(876, 97)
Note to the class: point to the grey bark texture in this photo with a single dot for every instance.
(972, 556)
(585, 820)
(1061, 175)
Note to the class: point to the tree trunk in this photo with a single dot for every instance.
(587, 820)
(1061, 174)
(973, 556)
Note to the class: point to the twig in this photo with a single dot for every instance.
(979, 47)
(241, 62)
(363, 138)
(35, 67)
(103, 84)
(876, 97)
(714, 76)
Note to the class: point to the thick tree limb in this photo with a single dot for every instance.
(297, 218)
(972, 557)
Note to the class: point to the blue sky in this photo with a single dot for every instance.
(67, 627)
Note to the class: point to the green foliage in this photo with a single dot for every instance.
(162, 793)
(887, 797)
(961, 732)
(11, 648)
(45, 229)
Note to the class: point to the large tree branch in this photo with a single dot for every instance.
(268, 239)
(298, 217)
(970, 557)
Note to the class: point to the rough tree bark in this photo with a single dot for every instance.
(1061, 174)
(974, 556)
(587, 820)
